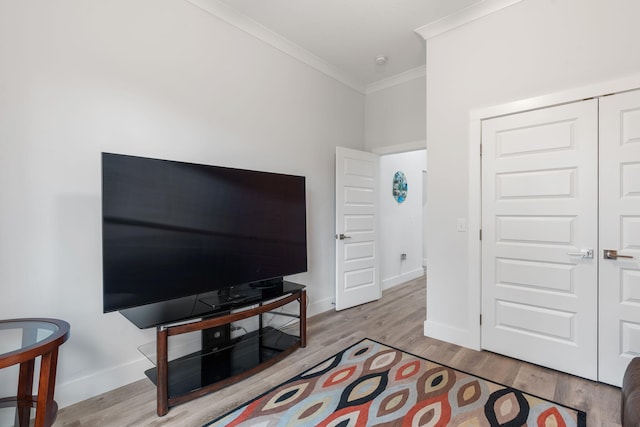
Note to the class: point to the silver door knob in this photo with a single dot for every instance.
(342, 236)
(613, 254)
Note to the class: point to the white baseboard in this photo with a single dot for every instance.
(451, 334)
(317, 307)
(402, 278)
(101, 382)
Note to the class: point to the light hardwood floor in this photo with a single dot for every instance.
(397, 319)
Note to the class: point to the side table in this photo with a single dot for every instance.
(22, 341)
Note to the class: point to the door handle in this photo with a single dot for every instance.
(613, 254)
(342, 236)
(584, 253)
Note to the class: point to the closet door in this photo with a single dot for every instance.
(539, 219)
(619, 325)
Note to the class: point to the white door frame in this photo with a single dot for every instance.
(471, 337)
(401, 148)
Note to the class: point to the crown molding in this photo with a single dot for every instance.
(466, 15)
(233, 17)
(414, 73)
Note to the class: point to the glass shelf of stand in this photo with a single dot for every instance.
(190, 344)
(201, 368)
(201, 358)
(179, 346)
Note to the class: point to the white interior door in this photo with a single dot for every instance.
(619, 230)
(539, 215)
(357, 277)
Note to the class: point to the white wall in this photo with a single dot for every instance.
(158, 78)
(401, 228)
(396, 114)
(533, 48)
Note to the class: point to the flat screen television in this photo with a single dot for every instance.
(174, 229)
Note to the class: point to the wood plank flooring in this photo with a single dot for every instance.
(397, 319)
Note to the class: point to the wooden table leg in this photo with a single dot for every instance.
(25, 380)
(162, 372)
(25, 391)
(46, 408)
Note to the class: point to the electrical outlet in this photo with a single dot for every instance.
(403, 257)
(462, 224)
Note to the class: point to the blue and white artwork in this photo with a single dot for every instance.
(400, 187)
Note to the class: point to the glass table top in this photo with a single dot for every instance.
(19, 334)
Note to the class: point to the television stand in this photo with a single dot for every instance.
(223, 360)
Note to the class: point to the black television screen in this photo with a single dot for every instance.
(173, 229)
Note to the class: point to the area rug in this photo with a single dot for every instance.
(373, 384)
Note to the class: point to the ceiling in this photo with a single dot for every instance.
(346, 36)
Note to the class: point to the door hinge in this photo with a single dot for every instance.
(481, 234)
(481, 320)
(480, 150)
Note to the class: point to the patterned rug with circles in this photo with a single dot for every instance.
(372, 384)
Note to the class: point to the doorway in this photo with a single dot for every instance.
(402, 232)
(368, 213)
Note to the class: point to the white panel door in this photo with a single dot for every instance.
(539, 212)
(620, 231)
(357, 280)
